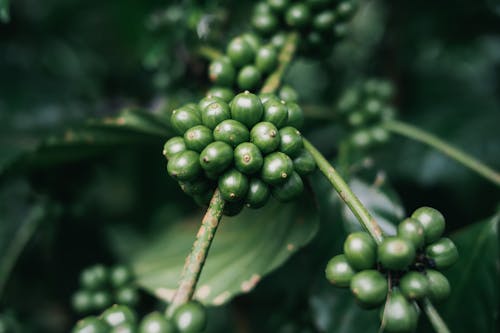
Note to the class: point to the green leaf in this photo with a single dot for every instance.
(473, 304)
(382, 202)
(131, 126)
(245, 249)
(4, 11)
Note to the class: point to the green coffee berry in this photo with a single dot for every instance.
(226, 94)
(290, 141)
(173, 146)
(184, 118)
(233, 208)
(249, 77)
(369, 288)
(155, 322)
(339, 272)
(194, 187)
(398, 315)
(288, 94)
(82, 301)
(278, 40)
(233, 185)
(119, 276)
(266, 59)
(304, 163)
(356, 118)
(432, 221)
(265, 23)
(324, 21)
(265, 97)
(290, 189)
(190, 317)
(414, 285)
(90, 325)
(240, 52)
(443, 252)
(94, 277)
(298, 15)
(361, 139)
(215, 113)
(413, 231)
(206, 101)
(396, 253)
(184, 165)
(379, 134)
(117, 315)
(247, 109)
(275, 112)
(232, 132)
(216, 157)
(253, 40)
(101, 299)
(248, 158)
(439, 286)
(265, 136)
(360, 250)
(277, 168)
(258, 193)
(198, 137)
(124, 328)
(127, 296)
(373, 107)
(278, 5)
(346, 9)
(222, 72)
(295, 115)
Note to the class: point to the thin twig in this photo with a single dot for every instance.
(434, 317)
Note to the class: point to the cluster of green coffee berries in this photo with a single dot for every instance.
(363, 107)
(250, 148)
(319, 22)
(400, 270)
(245, 63)
(190, 317)
(101, 287)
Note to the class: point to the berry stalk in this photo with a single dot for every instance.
(458, 155)
(209, 52)
(273, 82)
(352, 201)
(437, 322)
(196, 258)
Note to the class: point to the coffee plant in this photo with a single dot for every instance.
(251, 166)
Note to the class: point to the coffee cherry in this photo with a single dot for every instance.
(190, 317)
(215, 113)
(197, 186)
(414, 285)
(265, 97)
(198, 137)
(346, 9)
(324, 21)
(277, 168)
(369, 288)
(297, 15)
(443, 252)
(206, 101)
(278, 40)
(432, 221)
(240, 52)
(295, 115)
(258, 193)
(360, 250)
(82, 301)
(361, 139)
(262, 7)
(356, 118)
(290, 189)
(253, 40)
(184, 165)
(288, 94)
(173, 146)
(398, 315)
(127, 296)
(101, 299)
(247, 108)
(278, 5)
(124, 328)
(233, 208)
(248, 158)
(119, 276)
(304, 163)
(216, 157)
(379, 135)
(290, 141)
(233, 185)
(339, 272)
(90, 325)
(265, 136)
(265, 23)
(275, 112)
(222, 72)
(249, 77)
(184, 118)
(226, 94)
(410, 229)
(203, 199)
(232, 132)
(396, 253)
(373, 107)
(117, 315)
(94, 277)
(439, 287)
(156, 323)
(266, 59)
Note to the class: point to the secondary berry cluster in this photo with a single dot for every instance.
(250, 148)
(401, 269)
(319, 22)
(363, 107)
(190, 317)
(101, 287)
